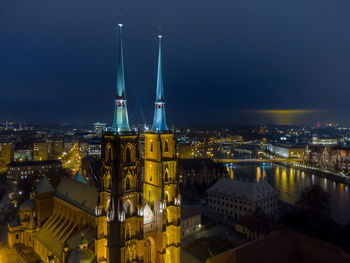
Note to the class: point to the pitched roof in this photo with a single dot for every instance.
(253, 191)
(83, 196)
(284, 245)
(33, 163)
(79, 178)
(44, 186)
(187, 212)
(27, 205)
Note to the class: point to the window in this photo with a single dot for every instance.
(150, 173)
(127, 232)
(128, 155)
(127, 183)
(166, 146)
(127, 209)
(151, 148)
(17, 236)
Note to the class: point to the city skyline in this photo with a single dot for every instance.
(221, 65)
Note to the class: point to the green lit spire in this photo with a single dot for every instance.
(120, 118)
(159, 119)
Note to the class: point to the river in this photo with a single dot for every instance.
(289, 182)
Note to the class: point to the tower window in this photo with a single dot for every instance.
(127, 232)
(128, 155)
(150, 173)
(166, 147)
(151, 149)
(127, 183)
(127, 209)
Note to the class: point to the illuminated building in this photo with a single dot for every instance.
(99, 127)
(160, 190)
(6, 153)
(30, 170)
(287, 150)
(235, 198)
(10, 125)
(316, 140)
(55, 148)
(190, 222)
(40, 151)
(94, 147)
(130, 217)
(330, 157)
(23, 154)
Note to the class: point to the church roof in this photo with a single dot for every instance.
(79, 178)
(252, 191)
(27, 205)
(44, 186)
(59, 231)
(284, 245)
(81, 195)
(159, 118)
(148, 215)
(55, 232)
(81, 256)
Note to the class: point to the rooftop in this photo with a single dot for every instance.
(187, 212)
(284, 245)
(33, 163)
(253, 191)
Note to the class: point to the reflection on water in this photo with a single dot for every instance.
(289, 182)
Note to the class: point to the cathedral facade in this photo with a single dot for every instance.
(135, 214)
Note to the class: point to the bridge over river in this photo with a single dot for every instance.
(277, 160)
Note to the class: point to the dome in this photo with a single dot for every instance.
(81, 256)
(27, 205)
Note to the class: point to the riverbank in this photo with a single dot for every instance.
(336, 177)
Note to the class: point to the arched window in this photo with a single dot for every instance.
(127, 232)
(128, 183)
(150, 173)
(109, 182)
(108, 153)
(166, 146)
(151, 148)
(166, 176)
(127, 209)
(127, 254)
(128, 155)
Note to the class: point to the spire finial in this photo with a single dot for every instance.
(159, 119)
(120, 119)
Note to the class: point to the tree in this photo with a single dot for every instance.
(314, 201)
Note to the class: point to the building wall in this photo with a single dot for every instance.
(6, 154)
(190, 226)
(236, 207)
(40, 151)
(161, 192)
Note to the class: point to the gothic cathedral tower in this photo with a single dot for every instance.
(121, 182)
(139, 215)
(160, 189)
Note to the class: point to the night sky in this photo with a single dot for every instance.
(225, 61)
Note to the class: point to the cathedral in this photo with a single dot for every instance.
(135, 214)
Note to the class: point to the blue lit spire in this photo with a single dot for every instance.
(120, 118)
(159, 119)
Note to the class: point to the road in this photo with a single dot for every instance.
(72, 159)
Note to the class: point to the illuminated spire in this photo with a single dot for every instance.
(120, 118)
(159, 119)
